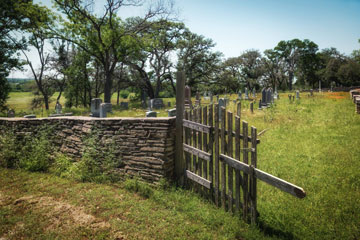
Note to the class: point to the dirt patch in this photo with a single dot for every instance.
(61, 214)
(4, 199)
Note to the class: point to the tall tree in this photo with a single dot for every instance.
(104, 37)
(197, 59)
(274, 70)
(290, 52)
(13, 18)
(251, 67)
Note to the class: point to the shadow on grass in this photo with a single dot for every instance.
(272, 232)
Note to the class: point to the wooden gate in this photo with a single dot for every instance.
(221, 156)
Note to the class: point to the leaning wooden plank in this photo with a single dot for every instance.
(196, 126)
(198, 179)
(238, 180)
(266, 177)
(280, 183)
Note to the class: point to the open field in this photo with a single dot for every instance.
(312, 142)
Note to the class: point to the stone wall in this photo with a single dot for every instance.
(146, 146)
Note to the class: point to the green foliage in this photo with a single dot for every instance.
(9, 150)
(35, 155)
(124, 93)
(97, 164)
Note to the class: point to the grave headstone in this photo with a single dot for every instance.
(172, 112)
(222, 103)
(268, 96)
(211, 98)
(246, 94)
(124, 105)
(240, 95)
(297, 94)
(95, 107)
(58, 108)
(311, 92)
(217, 98)
(150, 114)
(187, 96)
(30, 116)
(252, 107)
(103, 110)
(260, 104)
(69, 114)
(11, 113)
(169, 104)
(276, 93)
(156, 103)
(263, 97)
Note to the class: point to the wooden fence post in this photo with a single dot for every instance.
(179, 159)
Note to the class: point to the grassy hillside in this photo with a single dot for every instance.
(312, 142)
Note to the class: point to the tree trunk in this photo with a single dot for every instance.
(46, 101)
(107, 87)
(291, 76)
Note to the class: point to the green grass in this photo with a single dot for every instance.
(312, 142)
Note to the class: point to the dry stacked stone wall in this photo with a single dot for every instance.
(146, 146)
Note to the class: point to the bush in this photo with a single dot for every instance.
(97, 164)
(35, 155)
(9, 150)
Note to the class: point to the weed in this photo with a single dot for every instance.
(138, 186)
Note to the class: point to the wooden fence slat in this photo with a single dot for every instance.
(195, 168)
(253, 192)
(187, 138)
(230, 169)
(191, 141)
(205, 142)
(217, 154)
(211, 147)
(266, 177)
(197, 152)
(237, 172)
(223, 165)
(238, 110)
(245, 175)
(202, 181)
(199, 136)
(197, 126)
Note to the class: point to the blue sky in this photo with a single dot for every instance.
(238, 25)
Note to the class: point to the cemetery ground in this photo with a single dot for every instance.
(312, 142)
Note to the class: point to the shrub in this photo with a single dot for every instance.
(9, 150)
(35, 155)
(97, 164)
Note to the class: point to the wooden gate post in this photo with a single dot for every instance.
(179, 159)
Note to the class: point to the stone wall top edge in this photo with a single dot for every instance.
(124, 119)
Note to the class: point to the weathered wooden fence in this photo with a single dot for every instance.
(221, 156)
(216, 153)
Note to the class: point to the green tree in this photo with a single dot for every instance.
(251, 68)
(105, 37)
(197, 59)
(12, 19)
(274, 71)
